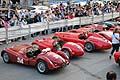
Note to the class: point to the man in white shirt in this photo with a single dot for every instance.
(115, 41)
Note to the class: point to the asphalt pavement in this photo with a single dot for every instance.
(92, 66)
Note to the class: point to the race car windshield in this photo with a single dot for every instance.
(33, 52)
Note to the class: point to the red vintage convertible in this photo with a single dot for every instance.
(44, 60)
(117, 57)
(90, 43)
(69, 48)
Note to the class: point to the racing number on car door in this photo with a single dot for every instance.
(21, 58)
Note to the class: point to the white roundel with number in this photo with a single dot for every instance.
(20, 60)
(46, 50)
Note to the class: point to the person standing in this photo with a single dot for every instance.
(115, 41)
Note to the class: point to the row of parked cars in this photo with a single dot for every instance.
(54, 53)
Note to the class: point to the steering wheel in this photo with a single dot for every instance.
(57, 46)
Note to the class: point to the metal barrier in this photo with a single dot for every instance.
(15, 32)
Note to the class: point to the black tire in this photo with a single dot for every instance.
(67, 53)
(89, 47)
(6, 57)
(119, 64)
(42, 67)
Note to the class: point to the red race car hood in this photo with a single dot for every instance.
(55, 58)
(103, 43)
(97, 39)
(109, 33)
(74, 46)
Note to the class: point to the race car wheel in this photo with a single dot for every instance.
(66, 52)
(119, 64)
(42, 67)
(6, 57)
(89, 47)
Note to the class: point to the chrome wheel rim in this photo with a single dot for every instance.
(41, 67)
(5, 57)
(88, 47)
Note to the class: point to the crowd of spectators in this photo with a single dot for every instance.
(21, 17)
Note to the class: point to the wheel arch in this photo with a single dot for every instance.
(34, 42)
(61, 53)
(67, 48)
(50, 65)
(2, 52)
(55, 37)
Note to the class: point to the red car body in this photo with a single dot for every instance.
(107, 35)
(118, 19)
(117, 57)
(18, 54)
(101, 34)
(73, 49)
(90, 42)
(84, 31)
(81, 30)
(95, 27)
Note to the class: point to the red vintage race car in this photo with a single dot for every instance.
(69, 48)
(117, 57)
(90, 43)
(44, 60)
